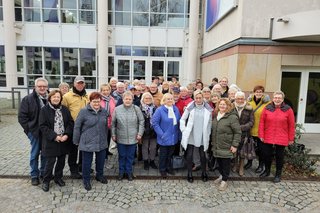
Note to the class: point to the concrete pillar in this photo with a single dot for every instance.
(10, 43)
(102, 42)
(193, 58)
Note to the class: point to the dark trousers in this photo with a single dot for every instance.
(165, 156)
(108, 141)
(268, 151)
(224, 167)
(259, 148)
(72, 158)
(58, 171)
(87, 162)
(126, 157)
(189, 157)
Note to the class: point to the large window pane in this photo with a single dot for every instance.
(2, 60)
(157, 51)
(159, 6)
(19, 63)
(157, 68)
(139, 69)
(69, 16)
(140, 19)
(32, 15)
(174, 52)
(1, 14)
(110, 66)
(34, 60)
(52, 60)
(123, 18)
(140, 5)
(31, 3)
(175, 20)
(50, 15)
(157, 19)
(123, 50)
(123, 69)
(173, 69)
(176, 6)
(290, 85)
(50, 3)
(18, 10)
(312, 114)
(140, 51)
(123, 5)
(88, 61)
(87, 17)
(87, 5)
(70, 61)
(31, 79)
(53, 81)
(69, 4)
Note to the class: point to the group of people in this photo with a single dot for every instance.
(163, 118)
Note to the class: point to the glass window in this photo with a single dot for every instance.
(18, 10)
(110, 18)
(176, 6)
(87, 4)
(123, 5)
(123, 18)
(140, 51)
(53, 81)
(158, 19)
(52, 60)
(110, 5)
(2, 60)
(110, 67)
(87, 11)
(34, 60)
(157, 68)
(123, 50)
(3, 81)
(68, 16)
(158, 6)
(139, 69)
(91, 82)
(20, 81)
(140, 6)
(157, 51)
(140, 19)
(175, 20)
(123, 70)
(173, 69)
(32, 15)
(69, 4)
(70, 61)
(174, 52)
(88, 62)
(50, 11)
(31, 3)
(19, 63)
(1, 11)
(31, 79)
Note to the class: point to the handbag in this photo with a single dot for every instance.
(248, 149)
(178, 162)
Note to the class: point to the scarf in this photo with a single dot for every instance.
(107, 100)
(148, 109)
(80, 93)
(43, 99)
(58, 119)
(239, 108)
(171, 114)
(220, 115)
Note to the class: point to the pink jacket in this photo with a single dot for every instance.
(112, 106)
(277, 125)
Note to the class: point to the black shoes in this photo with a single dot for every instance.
(45, 186)
(121, 176)
(260, 167)
(87, 186)
(102, 180)
(60, 182)
(146, 165)
(265, 173)
(130, 177)
(76, 175)
(190, 177)
(170, 172)
(163, 174)
(277, 179)
(248, 164)
(35, 181)
(153, 165)
(204, 177)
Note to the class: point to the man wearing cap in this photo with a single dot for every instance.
(28, 118)
(75, 100)
(136, 99)
(117, 95)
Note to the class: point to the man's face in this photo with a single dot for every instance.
(183, 93)
(224, 82)
(121, 88)
(79, 85)
(153, 88)
(41, 88)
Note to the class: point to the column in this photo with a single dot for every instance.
(10, 43)
(193, 58)
(102, 42)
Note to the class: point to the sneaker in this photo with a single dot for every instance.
(223, 186)
(35, 181)
(218, 180)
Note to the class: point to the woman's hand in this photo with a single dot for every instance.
(291, 142)
(58, 138)
(64, 138)
(233, 149)
(114, 138)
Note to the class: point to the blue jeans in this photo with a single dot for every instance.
(165, 156)
(87, 161)
(126, 157)
(34, 157)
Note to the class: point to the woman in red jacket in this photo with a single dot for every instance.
(276, 131)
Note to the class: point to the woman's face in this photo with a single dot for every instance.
(105, 91)
(64, 89)
(258, 94)
(198, 99)
(127, 100)
(95, 103)
(223, 106)
(165, 86)
(277, 99)
(215, 99)
(231, 95)
(55, 99)
(207, 95)
(169, 100)
(147, 100)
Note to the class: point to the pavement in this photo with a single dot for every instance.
(147, 193)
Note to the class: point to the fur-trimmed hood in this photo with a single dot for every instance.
(265, 98)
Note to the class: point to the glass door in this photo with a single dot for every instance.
(139, 69)
(157, 67)
(123, 68)
(173, 69)
(302, 89)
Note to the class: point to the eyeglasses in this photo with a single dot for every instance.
(42, 86)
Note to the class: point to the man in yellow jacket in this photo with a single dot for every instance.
(75, 100)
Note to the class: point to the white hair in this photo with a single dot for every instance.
(119, 84)
(239, 94)
(40, 79)
(183, 88)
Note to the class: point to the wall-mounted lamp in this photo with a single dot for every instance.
(284, 20)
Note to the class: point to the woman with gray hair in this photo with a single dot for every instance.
(127, 130)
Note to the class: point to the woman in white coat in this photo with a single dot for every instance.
(195, 125)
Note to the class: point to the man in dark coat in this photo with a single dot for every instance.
(28, 118)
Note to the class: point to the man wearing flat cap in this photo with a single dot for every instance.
(75, 100)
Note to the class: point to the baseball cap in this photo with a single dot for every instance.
(79, 79)
(131, 87)
(176, 90)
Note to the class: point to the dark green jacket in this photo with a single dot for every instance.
(225, 133)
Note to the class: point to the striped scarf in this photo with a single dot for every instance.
(58, 119)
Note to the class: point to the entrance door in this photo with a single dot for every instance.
(123, 68)
(302, 89)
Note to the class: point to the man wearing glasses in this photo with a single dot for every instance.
(28, 118)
